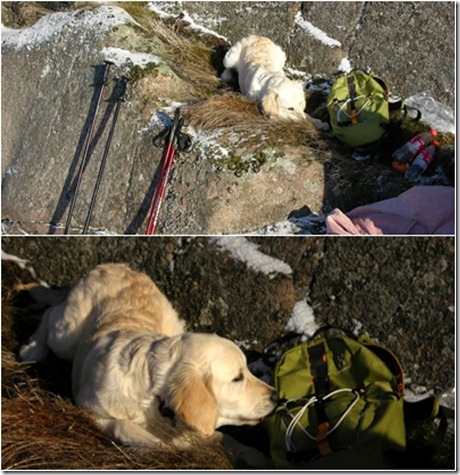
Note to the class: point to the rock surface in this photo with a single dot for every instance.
(399, 291)
(399, 41)
(50, 77)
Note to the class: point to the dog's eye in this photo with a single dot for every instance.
(290, 108)
(239, 378)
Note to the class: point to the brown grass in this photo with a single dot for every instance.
(41, 427)
(43, 431)
(189, 58)
(231, 112)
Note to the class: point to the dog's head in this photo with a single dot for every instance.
(211, 385)
(285, 100)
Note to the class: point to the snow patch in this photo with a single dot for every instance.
(248, 252)
(161, 117)
(164, 10)
(281, 228)
(209, 144)
(167, 10)
(417, 393)
(12, 170)
(12, 227)
(197, 27)
(22, 263)
(313, 224)
(44, 30)
(312, 30)
(448, 398)
(298, 74)
(302, 320)
(345, 65)
(46, 70)
(357, 326)
(120, 57)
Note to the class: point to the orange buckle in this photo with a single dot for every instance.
(353, 116)
(321, 438)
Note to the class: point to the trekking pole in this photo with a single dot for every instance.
(120, 100)
(89, 137)
(167, 160)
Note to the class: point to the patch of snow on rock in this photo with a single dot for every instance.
(208, 143)
(162, 118)
(345, 65)
(280, 228)
(102, 19)
(312, 30)
(248, 252)
(22, 263)
(169, 10)
(302, 319)
(197, 27)
(120, 57)
(164, 9)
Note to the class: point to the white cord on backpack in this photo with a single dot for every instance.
(342, 109)
(295, 419)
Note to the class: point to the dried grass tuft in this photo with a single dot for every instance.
(43, 431)
(225, 111)
(232, 112)
(189, 59)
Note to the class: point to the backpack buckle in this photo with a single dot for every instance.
(321, 439)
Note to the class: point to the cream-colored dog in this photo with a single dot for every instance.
(137, 371)
(259, 63)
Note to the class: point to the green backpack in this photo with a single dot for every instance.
(361, 110)
(341, 406)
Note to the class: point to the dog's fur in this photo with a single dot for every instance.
(132, 358)
(259, 63)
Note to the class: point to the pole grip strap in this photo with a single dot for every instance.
(318, 368)
(352, 92)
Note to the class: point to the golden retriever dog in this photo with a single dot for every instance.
(142, 377)
(259, 63)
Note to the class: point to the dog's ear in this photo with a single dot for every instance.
(193, 400)
(270, 104)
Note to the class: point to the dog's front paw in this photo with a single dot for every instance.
(33, 351)
(227, 75)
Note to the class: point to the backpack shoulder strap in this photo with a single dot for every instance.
(352, 94)
(390, 359)
(318, 365)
